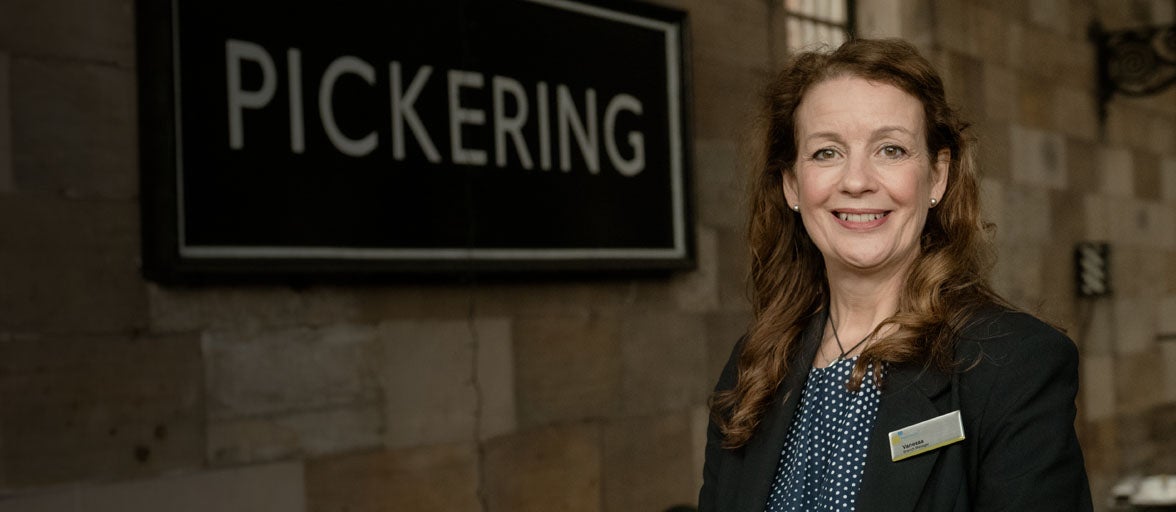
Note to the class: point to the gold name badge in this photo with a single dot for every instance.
(926, 436)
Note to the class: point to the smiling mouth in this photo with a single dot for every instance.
(860, 217)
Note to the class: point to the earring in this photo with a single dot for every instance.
(796, 207)
(934, 201)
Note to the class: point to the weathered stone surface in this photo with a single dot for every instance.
(99, 407)
(1135, 272)
(955, 26)
(69, 266)
(254, 373)
(1001, 89)
(1168, 178)
(437, 478)
(97, 31)
(1038, 157)
(247, 308)
(698, 291)
(294, 434)
(1168, 352)
(726, 99)
(496, 378)
(426, 371)
(6, 177)
(992, 203)
(664, 358)
(1017, 275)
(1050, 14)
(552, 468)
(1117, 168)
(1148, 183)
(1135, 323)
(87, 108)
(1085, 175)
(567, 367)
(723, 330)
(1075, 114)
(277, 488)
(1035, 102)
(1139, 377)
(1027, 215)
(1098, 387)
(699, 422)
(647, 465)
(720, 177)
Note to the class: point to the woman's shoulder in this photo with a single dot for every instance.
(1000, 340)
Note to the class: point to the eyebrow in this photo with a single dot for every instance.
(884, 130)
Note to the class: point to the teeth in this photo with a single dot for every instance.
(859, 217)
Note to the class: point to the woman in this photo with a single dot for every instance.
(873, 315)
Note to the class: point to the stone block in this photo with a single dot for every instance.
(1168, 179)
(720, 181)
(294, 434)
(1161, 134)
(698, 291)
(1027, 215)
(1097, 221)
(734, 267)
(1050, 14)
(1036, 102)
(992, 35)
(992, 202)
(6, 173)
(1067, 221)
(1139, 379)
(955, 26)
(723, 330)
(1148, 183)
(1130, 221)
(73, 129)
(879, 19)
(993, 154)
(1128, 125)
(97, 31)
(664, 361)
(1136, 271)
(713, 40)
(646, 465)
(1050, 55)
(1135, 325)
(249, 308)
(276, 487)
(496, 378)
(1076, 113)
(255, 373)
(1166, 315)
(427, 371)
(1098, 337)
(1085, 176)
(699, 422)
(69, 266)
(437, 478)
(1001, 90)
(1099, 446)
(539, 298)
(966, 85)
(1117, 168)
(99, 407)
(552, 468)
(567, 367)
(726, 99)
(1098, 387)
(1037, 157)
(1168, 353)
(1017, 275)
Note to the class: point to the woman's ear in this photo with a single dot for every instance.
(791, 187)
(939, 174)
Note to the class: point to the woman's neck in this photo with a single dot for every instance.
(859, 302)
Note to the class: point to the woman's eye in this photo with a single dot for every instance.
(893, 151)
(824, 154)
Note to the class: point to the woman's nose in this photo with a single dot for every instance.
(857, 177)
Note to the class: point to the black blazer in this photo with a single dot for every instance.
(1017, 404)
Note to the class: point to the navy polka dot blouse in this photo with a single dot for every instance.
(825, 451)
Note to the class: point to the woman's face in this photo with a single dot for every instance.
(863, 178)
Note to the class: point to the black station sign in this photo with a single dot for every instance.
(359, 137)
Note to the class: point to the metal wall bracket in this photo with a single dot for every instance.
(1134, 62)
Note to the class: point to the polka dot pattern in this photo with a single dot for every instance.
(825, 451)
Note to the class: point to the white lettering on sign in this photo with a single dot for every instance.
(577, 119)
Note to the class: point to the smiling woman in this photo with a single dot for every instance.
(882, 372)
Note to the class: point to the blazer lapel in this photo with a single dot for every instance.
(763, 449)
(906, 400)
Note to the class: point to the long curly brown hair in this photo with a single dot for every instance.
(946, 284)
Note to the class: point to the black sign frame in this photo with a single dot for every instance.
(169, 258)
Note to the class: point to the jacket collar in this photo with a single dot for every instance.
(906, 399)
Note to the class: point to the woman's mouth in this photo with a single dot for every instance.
(861, 219)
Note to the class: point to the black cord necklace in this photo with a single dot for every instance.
(841, 357)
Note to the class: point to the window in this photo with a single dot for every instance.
(818, 21)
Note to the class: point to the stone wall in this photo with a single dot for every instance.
(586, 395)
